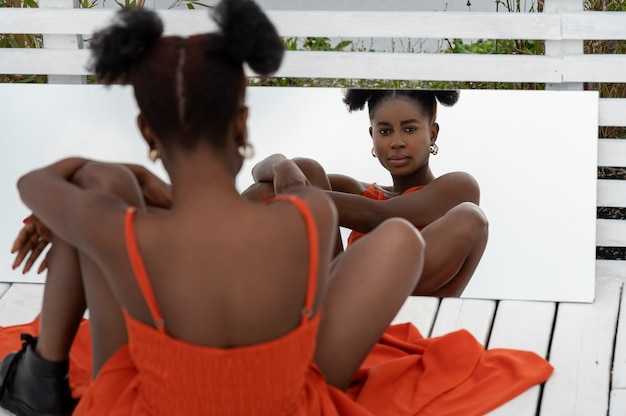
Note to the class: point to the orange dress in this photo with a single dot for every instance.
(372, 193)
(404, 375)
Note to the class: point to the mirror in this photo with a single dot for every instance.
(534, 154)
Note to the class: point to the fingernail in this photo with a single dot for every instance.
(27, 219)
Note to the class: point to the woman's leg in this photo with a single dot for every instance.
(455, 244)
(369, 283)
(35, 379)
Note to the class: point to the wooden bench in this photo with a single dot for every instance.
(586, 343)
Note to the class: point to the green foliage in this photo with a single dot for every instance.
(607, 47)
(315, 44)
(13, 40)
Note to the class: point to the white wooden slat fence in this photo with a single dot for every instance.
(585, 342)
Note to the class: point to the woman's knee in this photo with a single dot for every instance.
(314, 171)
(403, 246)
(471, 220)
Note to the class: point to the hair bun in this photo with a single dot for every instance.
(447, 97)
(116, 48)
(250, 35)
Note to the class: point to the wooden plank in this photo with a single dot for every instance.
(362, 65)
(614, 269)
(617, 403)
(611, 233)
(612, 112)
(611, 193)
(71, 41)
(421, 66)
(612, 152)
(44, 61)
(594, 68)
(474, 315)
(619, 359)
(527, 326)
(420, 311)
(581, 353)
(368, 24)
(593, 25)
(21, 303)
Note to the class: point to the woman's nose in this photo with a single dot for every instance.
(396, 141)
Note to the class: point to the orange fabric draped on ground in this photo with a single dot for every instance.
(405, 374)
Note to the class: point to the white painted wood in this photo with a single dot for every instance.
(617, 403)
(612, 152)
(563, 47)
(364, 65)
(594, 68)
(619, 358)
(611, 193)
(461, 67)
(474, 315)
(367, 24)
(611, 233)
(614, 269)
(21, 303)
(43, 61)
(70, 41)
(581, 354)
(612, 112)
(527, 326)
(592, 25)
(420, 311)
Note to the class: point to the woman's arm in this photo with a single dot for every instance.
(420, 208)
(76, 199)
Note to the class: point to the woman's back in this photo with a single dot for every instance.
(227, 365)
(232, 278)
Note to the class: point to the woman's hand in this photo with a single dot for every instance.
(156, 193)
(288, 175)
(31, 241)
(264, 170)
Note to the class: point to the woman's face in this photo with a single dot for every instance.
(402, 134)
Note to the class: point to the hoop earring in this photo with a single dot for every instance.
(434, 149)
(245, 151)
(154, 154)
(373, 152)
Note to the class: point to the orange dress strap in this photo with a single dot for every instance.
(307, 311)
(140, 269)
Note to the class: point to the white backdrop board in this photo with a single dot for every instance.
(534, 154)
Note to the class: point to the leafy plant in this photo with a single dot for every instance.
(21, 41)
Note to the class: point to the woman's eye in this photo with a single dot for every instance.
(411, 129)
(384, 132)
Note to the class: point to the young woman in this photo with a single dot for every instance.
(211, 306)
(445, 209)
(203, 302)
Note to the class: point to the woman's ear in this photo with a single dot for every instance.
(146, 131)
(241, 126)
(434, 132)
(371, 132)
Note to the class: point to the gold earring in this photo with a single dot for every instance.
(373, 152)
(434, 148)
(154, 154)
(246, 150)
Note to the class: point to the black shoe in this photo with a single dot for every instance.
(33, 386)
